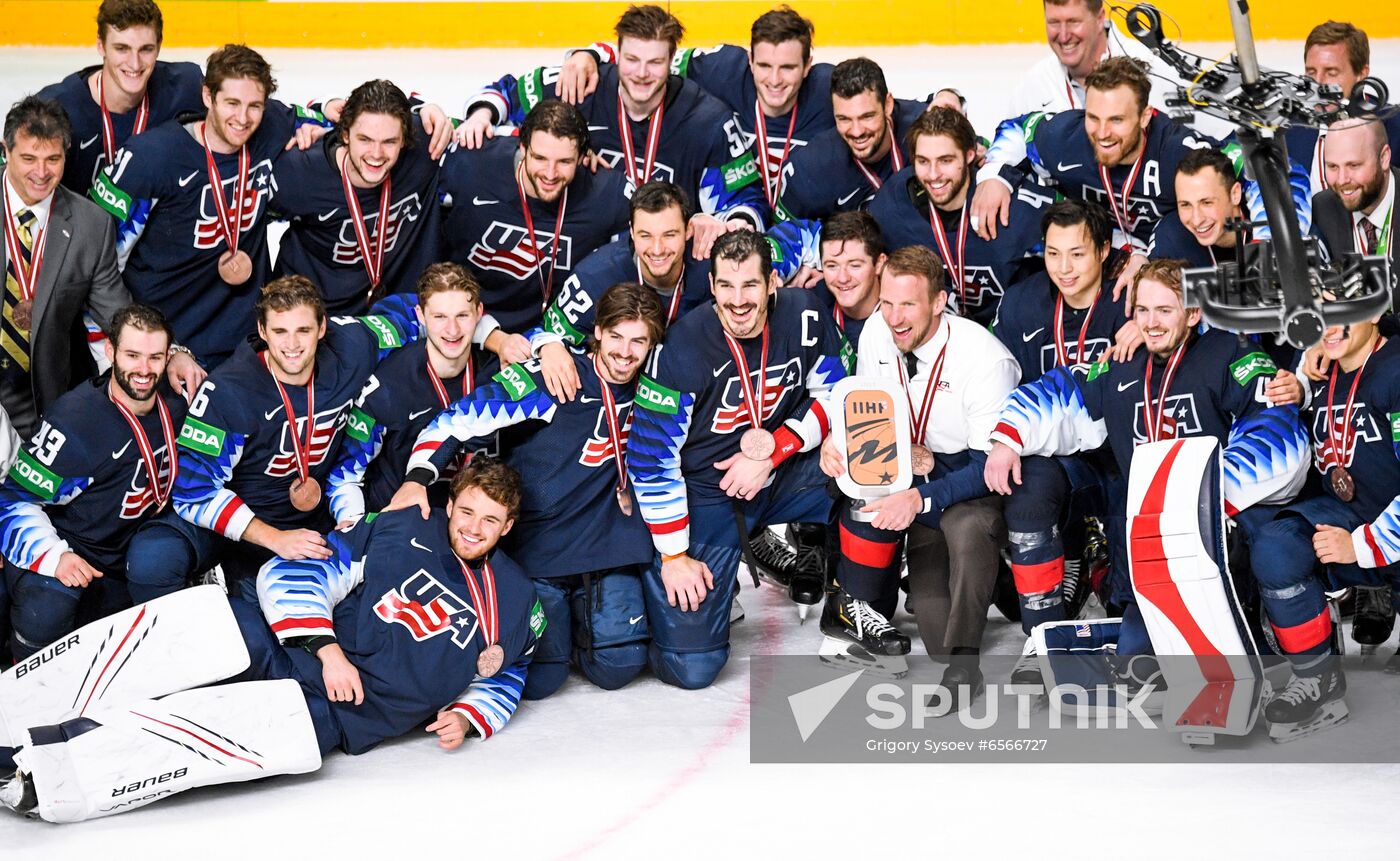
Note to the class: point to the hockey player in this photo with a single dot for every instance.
(1348, 535)
(1182, 385)
(738, 392)
(101, 464)
(191, 197)
(128, 93)
(658, 255)
(1208, 196)
(1064, 317)
(260, 440)
(1337, 54)
(853, 256)
(781, 100)
(522, 212)
(651, 124)
(956, 376)
(362, 202)
(578, 534)
(841, 169)
(407, 391)
(940, 182)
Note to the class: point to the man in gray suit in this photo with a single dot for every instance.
(59, 259)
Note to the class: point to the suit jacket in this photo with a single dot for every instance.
(1333, 223)
(79, 273)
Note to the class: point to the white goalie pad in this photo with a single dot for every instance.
(870, 424)
(176, 642)
(1177, 559)
(119, 758)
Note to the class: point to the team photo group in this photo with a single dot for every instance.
(328, 423)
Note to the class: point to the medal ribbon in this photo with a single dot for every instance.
(1341, 447)
(484, 600)
(303, 454)
(26, 275)
(919, 425)
(1154, 430)
(1320, 159)
(374, 261)
(441, 390)
(742, 365)
(955, 265)
(1120, 208)
(624, 129)
(1061, 353)
(770, 187)
(231, 229)
(109, 134)
(546, 287)
(148, 455)
(614, 431)
(675, 305)
(896, 161)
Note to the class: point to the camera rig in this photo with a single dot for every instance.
(1285, 283)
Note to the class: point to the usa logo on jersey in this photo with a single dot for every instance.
(1179, 418)
(599, 448)
(328, 423)
(659, 170)
(1093, 347)
(1363, 429)
(427, 608)
(207, 233)
(347, 247)
(506, 248)
(732, 414)
(980, 286)
(139, 495)
(1141, 210)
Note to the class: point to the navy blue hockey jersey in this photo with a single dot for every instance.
(902, 210)
(237, 459)
(823, 178)
(1217, 391)
(396, 405)
(484, 228)
(692, 411)
(1025, 323)
(81, 483)
(569, 520)
(1372, 454)
(701, 147)
(320, 243)
(169, 240)
(172, 89)
(397, 602)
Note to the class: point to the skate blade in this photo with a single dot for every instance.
(1330, 716)
(803, 611)
(845, 655)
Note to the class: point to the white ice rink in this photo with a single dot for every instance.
(655, 772)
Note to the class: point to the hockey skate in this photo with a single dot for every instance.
(1375, 618)
(1309, 704)
(798, 572)
(17, 793)
(1026, 676)
(1136, 672)
(858, 637)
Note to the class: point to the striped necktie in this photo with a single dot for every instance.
(1368, 230)
(14, 340)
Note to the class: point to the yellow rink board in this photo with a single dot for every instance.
(560, 23)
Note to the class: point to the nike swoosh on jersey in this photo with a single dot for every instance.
(597, 128)
(632, 620)
(841, 201)
(585, 399)
(117, 455)
(89, 142)
(414, 542)
(328, 216)
(187, 180)
(478, 201)
(1027, 338)
(412, 416)
(269, 416)
(1123, 387)
(720, 369)
(1061, 166)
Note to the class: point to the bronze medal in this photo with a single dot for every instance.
(235, 267)
(624, 501)
(921, 460)
(305, 494)
(24, 314)
(1343, 487)
(757, 444)
(490, 660)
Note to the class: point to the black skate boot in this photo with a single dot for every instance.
(776, 561)
(812, 563)
(1375, 618)
(1310, 703)
(850, 619)
(1026, 673)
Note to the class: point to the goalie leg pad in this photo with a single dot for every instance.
(170, 644)
(119, 758)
